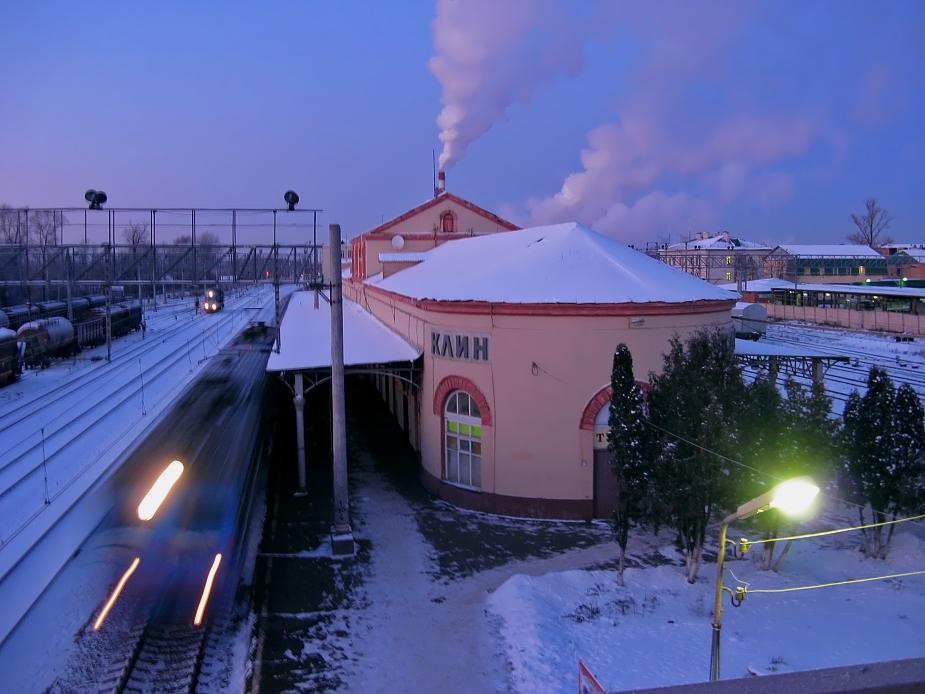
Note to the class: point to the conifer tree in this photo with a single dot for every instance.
(626, 442)
(696, 401)
(883, 435)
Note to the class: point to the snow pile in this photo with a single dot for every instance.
(656, 631)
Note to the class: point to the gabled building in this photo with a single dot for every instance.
(826, 263)
(446, 217)
(518, 331)
(716, 258)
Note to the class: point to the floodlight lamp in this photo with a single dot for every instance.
(291, 198)
(794, 496)
(95, 198)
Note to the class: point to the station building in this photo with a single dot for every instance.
(517, 329)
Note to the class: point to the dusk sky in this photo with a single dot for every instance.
(770, 120)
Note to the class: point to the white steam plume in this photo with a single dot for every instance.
(490, 54)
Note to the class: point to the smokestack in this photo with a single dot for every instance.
(441, 184)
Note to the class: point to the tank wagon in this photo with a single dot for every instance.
(750, 320)
(214, 301)
(10, 363)
(45, 338)
(14, 316)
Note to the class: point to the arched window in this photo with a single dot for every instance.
(448, 221)
(463, 440)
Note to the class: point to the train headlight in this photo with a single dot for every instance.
(155, 497)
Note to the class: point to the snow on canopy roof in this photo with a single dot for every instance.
(763, 285)
(917, 253)
(559, 264)
(306, 337)
(717, 242)
(830, 251)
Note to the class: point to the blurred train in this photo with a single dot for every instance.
(180, 518)
(41, 331)
(214, 301)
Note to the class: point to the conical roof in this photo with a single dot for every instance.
(559, 264)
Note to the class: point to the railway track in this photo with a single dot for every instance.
(144, 647)
(904, 362)
(43, 450)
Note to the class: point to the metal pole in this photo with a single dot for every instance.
(717, 608)
(300, 428)
(108, 292)
(315, 246)
(154, 259)
(342, 543)
(276, 284)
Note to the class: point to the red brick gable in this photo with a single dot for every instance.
(443, 197)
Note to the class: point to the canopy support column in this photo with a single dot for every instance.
(300, 428)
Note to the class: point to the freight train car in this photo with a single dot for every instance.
(10, 363)
(17, 315)
(46, 338)
(750, 320)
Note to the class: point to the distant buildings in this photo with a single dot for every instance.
(716, 258)
(722, 258)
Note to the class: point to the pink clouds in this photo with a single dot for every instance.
(621, 161)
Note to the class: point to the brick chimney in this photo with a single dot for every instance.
(441, 183)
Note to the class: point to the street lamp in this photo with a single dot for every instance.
(791, 497)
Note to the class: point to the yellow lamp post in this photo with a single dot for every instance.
(791, 497)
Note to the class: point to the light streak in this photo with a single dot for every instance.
(155, 497)
(206, 590)
(115, 594)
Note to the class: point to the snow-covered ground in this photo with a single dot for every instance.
(534, 620)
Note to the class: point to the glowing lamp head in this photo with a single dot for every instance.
(794, 496)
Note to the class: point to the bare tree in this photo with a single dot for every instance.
(43, 227)
(871, 225)
(11, 225)
(136, 234)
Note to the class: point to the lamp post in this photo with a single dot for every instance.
(791, 497)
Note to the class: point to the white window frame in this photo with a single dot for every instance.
(462, 440)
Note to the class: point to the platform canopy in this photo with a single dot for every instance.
(305, 333)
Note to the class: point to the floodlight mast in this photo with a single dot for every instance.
(791, 497)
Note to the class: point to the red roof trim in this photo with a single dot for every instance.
(652, 308)
(443, 197)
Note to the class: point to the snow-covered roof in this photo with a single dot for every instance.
(763, 285)
(306, 337)
(917, 253)
(560, 264)
(830, 251)
(717, 243)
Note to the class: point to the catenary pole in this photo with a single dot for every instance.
(342, 541)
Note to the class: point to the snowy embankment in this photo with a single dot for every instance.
(656, 631)
(73, 424)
